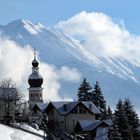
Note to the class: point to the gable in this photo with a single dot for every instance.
(39, 107)
(104, 124)
(80, 109)
(35, 108)
(49, 108)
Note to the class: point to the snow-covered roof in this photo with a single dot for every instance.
(108, 121)
(91, 107)
(89, 125)
(59, 106)
(41, 106)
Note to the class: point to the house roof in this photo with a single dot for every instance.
(41, 106)
(59, 106)
(108, 121)
(90, 125)
(91, 107)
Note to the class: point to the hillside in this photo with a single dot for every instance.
(7, 133)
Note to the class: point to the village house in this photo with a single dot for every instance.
(93, 129)
(63, 116)
(74, 118)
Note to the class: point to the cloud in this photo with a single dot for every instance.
(103, 36)
(15, 62)
(68, 74)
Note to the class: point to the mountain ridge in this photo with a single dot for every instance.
(60, 49)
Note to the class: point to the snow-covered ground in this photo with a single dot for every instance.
(7, 133)
(29, 128)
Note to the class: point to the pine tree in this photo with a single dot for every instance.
(109, 113)
(122, 123)
(133, 119)
(84, 91)
(113, 133)
(98, 100)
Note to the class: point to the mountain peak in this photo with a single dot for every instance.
(19, 22)
(25, 24)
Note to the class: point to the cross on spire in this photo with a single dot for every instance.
(34, 54)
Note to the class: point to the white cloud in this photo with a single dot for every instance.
(103, 36)
(15, 62)
(65, 73)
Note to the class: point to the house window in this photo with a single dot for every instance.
(79, 110)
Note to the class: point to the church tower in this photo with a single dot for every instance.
(35, 81)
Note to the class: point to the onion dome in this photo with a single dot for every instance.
(35, 63)
(35, 79)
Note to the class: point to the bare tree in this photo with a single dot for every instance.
(11, 98)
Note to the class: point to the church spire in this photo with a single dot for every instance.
(34, 54)
(35, 62)
(35, 81)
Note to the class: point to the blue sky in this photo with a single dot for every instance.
(49, 12)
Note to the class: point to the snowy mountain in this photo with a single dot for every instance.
(118, 77)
